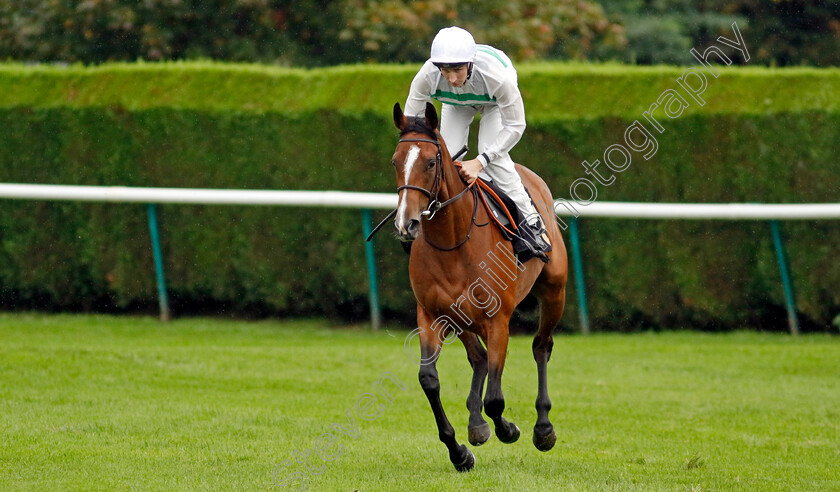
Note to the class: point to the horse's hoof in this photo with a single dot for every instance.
(544, 442)
(480, 434)
(513, 435)
(469, 460)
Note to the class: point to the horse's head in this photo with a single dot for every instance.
(418, 162)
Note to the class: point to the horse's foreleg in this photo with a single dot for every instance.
(479, 431)
(550, 314)
(430, 344)
(494, 400)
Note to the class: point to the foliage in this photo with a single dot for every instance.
(789, 32)
(323, 32)
(94, 31)
(393, 30)
(663, 31)
(312, 32)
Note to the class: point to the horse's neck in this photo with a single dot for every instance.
(451, 183)
(453, 221)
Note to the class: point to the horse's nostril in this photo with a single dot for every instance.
(412, 227)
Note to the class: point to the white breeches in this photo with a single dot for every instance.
(455, 129)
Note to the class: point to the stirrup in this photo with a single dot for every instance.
(540, 234)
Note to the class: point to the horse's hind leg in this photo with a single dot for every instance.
(551, 310)
(430, 344)
(479, 431)
(494, 400)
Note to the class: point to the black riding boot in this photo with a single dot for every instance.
(534, 242)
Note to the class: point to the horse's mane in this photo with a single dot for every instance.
(418, 125)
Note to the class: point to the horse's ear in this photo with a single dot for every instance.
(399, 118)
(431, 116)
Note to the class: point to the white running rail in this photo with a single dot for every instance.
(345, 199)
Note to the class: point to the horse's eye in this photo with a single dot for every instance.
(393, 163)
(431, 163)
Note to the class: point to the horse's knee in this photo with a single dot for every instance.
(478, 361)
(543, 343)
(477, 357)
(542, 346)
(429, 380)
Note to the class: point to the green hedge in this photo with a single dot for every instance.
(552, 91)
(764, 135)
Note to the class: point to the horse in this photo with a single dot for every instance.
(462, 271)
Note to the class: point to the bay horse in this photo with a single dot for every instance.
(457, 293)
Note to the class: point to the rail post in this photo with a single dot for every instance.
(163, 300)
(787, 283)
(375, 315)
(580, 285)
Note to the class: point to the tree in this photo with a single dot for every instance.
(784, 32)
(311, 32)
(395, 30)
(662, 31)
(788, 32)
(95, 31)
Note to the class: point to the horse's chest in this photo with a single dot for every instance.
(464, 295)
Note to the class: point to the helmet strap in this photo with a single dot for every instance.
(469, 71)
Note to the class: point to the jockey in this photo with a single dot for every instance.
(469, 79)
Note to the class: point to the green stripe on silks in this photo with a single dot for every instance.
(465, 99)
(492, 52)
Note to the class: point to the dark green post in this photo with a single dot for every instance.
(371, 264)
(790, 302)
(161, 283)
(580, 285)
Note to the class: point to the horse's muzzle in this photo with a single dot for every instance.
(409, 231)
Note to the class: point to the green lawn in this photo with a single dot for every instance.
(115, 403)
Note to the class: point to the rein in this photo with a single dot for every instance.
(472, 221)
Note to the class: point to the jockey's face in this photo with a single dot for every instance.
(456, 76)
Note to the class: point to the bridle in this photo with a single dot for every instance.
(432, 195)
(434, 203)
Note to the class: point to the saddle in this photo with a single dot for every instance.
(507, 217)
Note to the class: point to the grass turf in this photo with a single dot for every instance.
(97, 402)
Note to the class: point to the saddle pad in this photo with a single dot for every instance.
(499, 206)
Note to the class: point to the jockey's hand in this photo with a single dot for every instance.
(470, 169)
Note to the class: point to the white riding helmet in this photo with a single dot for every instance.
(453, 46)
